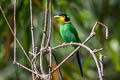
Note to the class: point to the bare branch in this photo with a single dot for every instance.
(106, 28)
(97, 50)
(27, 69)
(101, 57)
(14, 32)
(32, 34)
(45, 24)
(50, 28)
(41, 64)
(48, 41)
(32, 28)
(44, 37)
(50, 63)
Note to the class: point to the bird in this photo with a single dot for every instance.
(68, 34)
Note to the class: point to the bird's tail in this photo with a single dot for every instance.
(79, 62)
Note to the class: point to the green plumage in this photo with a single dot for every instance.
(69, 33)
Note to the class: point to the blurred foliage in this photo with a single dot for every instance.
(84, 14)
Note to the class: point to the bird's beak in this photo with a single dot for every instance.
(57, 16)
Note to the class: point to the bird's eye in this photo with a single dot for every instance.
(68, 16)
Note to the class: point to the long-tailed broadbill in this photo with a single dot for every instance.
(69, 33)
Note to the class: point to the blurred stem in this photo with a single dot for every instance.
(105, 5)
(55, 74)
(38, 3)
(8, 42)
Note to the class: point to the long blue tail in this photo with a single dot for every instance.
(79, 62)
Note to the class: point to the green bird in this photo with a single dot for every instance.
(69, 33)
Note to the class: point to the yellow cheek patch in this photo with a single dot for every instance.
(62, 20)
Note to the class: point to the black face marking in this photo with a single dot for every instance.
(65, 15)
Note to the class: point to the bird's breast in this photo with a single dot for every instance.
(67, 35)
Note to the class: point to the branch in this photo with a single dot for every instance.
(33, 42)
(44, 37)
(101, 57)
(50, 63)
(48, 41)
(106, 28)
(32, 28)
(97, 50)
(50, 29)
(45, 24)
(28, 69)
(14, 32)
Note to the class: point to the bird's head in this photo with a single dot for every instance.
(62, 18)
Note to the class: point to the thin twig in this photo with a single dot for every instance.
(34, 68)
(44, 37)
(14, 32)
(41, 64)
(27, 69)
(50, 28)
(101, 57)
(32, 34)
(97, 50)
(50, 63)
(45, 24)
(106, 28)
(48, 41)
(32, 28)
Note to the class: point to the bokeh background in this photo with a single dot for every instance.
(83, 14)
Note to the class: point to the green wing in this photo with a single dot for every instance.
(74, 31)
